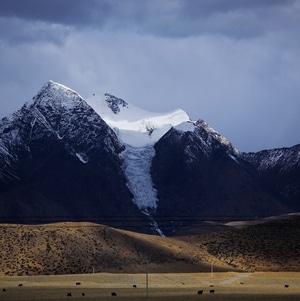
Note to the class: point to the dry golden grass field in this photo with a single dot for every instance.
(79, 248)
(230, 286)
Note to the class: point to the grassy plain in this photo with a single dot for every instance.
(230, 286)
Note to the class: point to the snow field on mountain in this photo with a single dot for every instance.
(134, 126)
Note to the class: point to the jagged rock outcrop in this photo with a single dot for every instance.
(114, 103)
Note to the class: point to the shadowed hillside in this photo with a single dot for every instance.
(270, 245)
(72, 248)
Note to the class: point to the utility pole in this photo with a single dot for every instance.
(211, 270)
(147, 283)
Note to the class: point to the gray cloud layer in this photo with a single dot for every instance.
(234, 63)
(181, 18)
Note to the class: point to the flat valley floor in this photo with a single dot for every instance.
(231, 286)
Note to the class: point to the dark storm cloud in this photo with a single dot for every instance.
(67, 12)
(234, 63)
(43, 20)
(237, 18)
(16, 31)
(195, 8)
(181, 18)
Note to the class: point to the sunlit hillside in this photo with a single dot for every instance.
(72, 248)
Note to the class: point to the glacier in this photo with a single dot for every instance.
(138, 130)
(137, 163)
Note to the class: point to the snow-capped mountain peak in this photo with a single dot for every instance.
(134, 126)
(63, 157)
(212, 134)
(56, 112)
(56, 94)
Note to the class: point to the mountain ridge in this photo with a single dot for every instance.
(66, 158)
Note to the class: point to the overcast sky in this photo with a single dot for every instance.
(233, 63)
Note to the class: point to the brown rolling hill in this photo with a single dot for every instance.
(270, 244)
(71, 248)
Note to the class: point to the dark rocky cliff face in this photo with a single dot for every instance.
(199, 185)
(280, 170)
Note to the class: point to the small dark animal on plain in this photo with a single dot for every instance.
(83, 294)
(20, 284)
(200, 292)
(69, 294)
(211, 291)
(114, 294)
(4, 290)
(134, 286)
(78, 283)
(286, 285)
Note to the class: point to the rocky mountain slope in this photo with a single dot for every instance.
(280, 170)
(60, 161)
(211, 176)
(103, 160)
